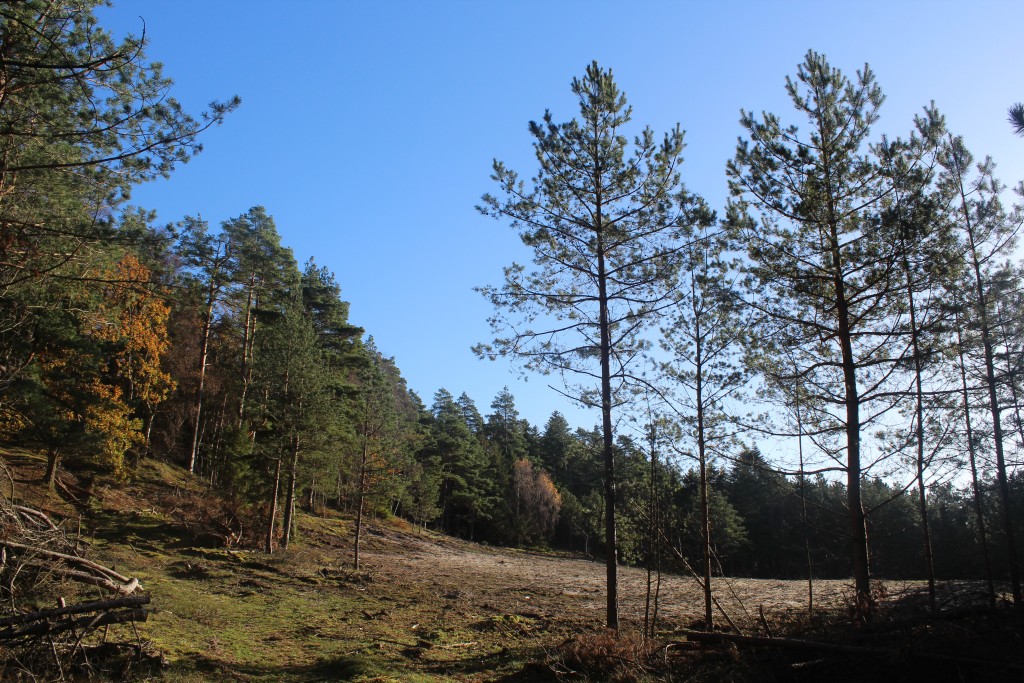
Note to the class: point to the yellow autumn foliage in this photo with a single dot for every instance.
(135, 317)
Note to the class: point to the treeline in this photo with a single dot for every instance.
(865, 292)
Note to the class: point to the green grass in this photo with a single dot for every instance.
(229, 611)
(297, 615)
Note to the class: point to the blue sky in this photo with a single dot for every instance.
(367, 129)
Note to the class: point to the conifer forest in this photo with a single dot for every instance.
(818, 385)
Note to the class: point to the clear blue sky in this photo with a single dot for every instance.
(367, 129)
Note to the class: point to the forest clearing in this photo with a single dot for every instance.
(429, 607)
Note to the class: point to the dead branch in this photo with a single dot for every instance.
(50, 628)
(700, 582)
(785, 643)
(67, 558)
(81, 608)
(36, 517)
(92, 579)
(37, 556)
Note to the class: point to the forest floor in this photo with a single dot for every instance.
(426, 607)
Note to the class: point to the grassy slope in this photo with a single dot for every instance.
(300, 615)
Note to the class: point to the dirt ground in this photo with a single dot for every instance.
(552, 587)
(496, 614)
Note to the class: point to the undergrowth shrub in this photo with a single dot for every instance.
(603, 657)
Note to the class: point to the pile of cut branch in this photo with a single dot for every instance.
(965, 643)
(42, 564)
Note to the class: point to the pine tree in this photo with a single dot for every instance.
(601, 218)
(820, 272)
(293, 401)
(205, 259)
(83, 119)
(557, 448)
(261, 272)
(1016, 117)
(457, 457)
(703, 337)
(988, 234)
(378, 434)
(925, 251)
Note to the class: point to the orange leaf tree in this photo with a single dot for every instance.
(132, 318)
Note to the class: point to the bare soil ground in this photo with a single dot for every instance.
(552, 587)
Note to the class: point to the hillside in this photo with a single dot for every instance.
(423, 607)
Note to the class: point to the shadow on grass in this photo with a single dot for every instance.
(345, 668)
(505, 666)
(147, 532)
(509, 666)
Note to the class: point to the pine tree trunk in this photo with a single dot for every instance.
(993, 396)
(652, 534)
(1001, 476)
(248, 344)
(979, 508)
(52, 460)
(922, 500)
(272, 516)
(611, 545)
(705, 512)
(359, 506)
(204, 349)
(289, 505)
(803, 512)
(705, 532)
(857, 520)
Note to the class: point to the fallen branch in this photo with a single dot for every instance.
(786, 643)
(35, 517)
(48, 628)
(67, 558)
(81, 608)
(99, 581)
(833, 648)
(81, 570)
(37, 559)
(700, 582)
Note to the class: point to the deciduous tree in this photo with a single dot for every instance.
(133, 317)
